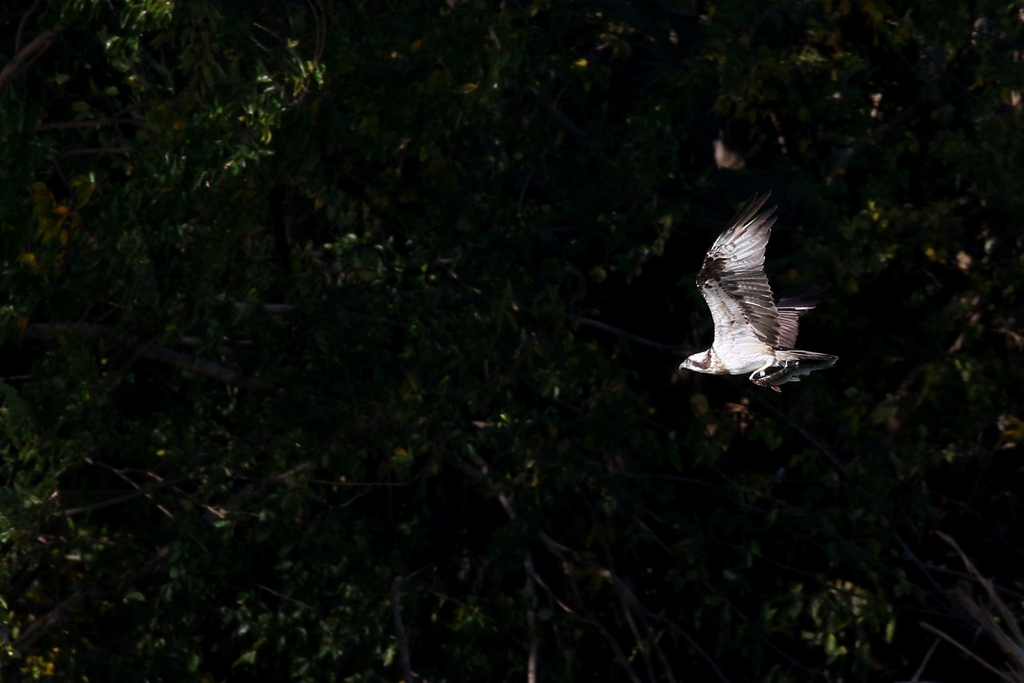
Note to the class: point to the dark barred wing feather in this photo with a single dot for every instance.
(732, 279)
(791, 308)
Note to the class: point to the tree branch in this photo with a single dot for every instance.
(24, 20)
(643, 642)
(576, 133)
(95, 150)
(768, 641)
(138, 493)
(924, 662)
(677, 350)
(131, 482)
(403, 641)
(591, 618)
(531, 619)
(45, 331)
(38, 628)
(952, 641)
(203, 367)
(834, 461)
(626, 593)
(629, 600)
(871, 135)
(91, 123)
(27, 54)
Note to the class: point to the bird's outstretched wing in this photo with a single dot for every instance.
(733, 282)
(791, 308)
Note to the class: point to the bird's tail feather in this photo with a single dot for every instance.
(809, 360)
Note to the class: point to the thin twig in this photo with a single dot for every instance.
(203, 367)
(35, 630)
(244, 496)
(928, 568)
(768, 641)
(531, 620)
(952, 641)
(131, 482)
(540, 582)
(198, 343)
(1012, 643)
(497, 623)
(677, 350)
(285, 597)
(276, 309)
(643, 642)
(562, 552)
(988, 527)
(924, 662)
(95, 150)
(871, 135)
(592, 619)
(834, 461)
(576, 133)
(403, 641)
(694, 644)
(616, 650)
(666, 667)
(43, 331)
(138, 493)
(91, 123)
(559, 550)
(673, 477)
(293, 471)
(643, 525)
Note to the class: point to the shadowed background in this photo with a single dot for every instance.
(339, 341)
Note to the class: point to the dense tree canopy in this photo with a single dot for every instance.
(340, 341)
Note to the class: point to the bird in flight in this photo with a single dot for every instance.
(753, 332)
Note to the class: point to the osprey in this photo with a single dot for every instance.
(753, 333)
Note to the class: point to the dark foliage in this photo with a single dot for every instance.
(339, 341)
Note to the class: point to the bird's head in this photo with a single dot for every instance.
(698, 362)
